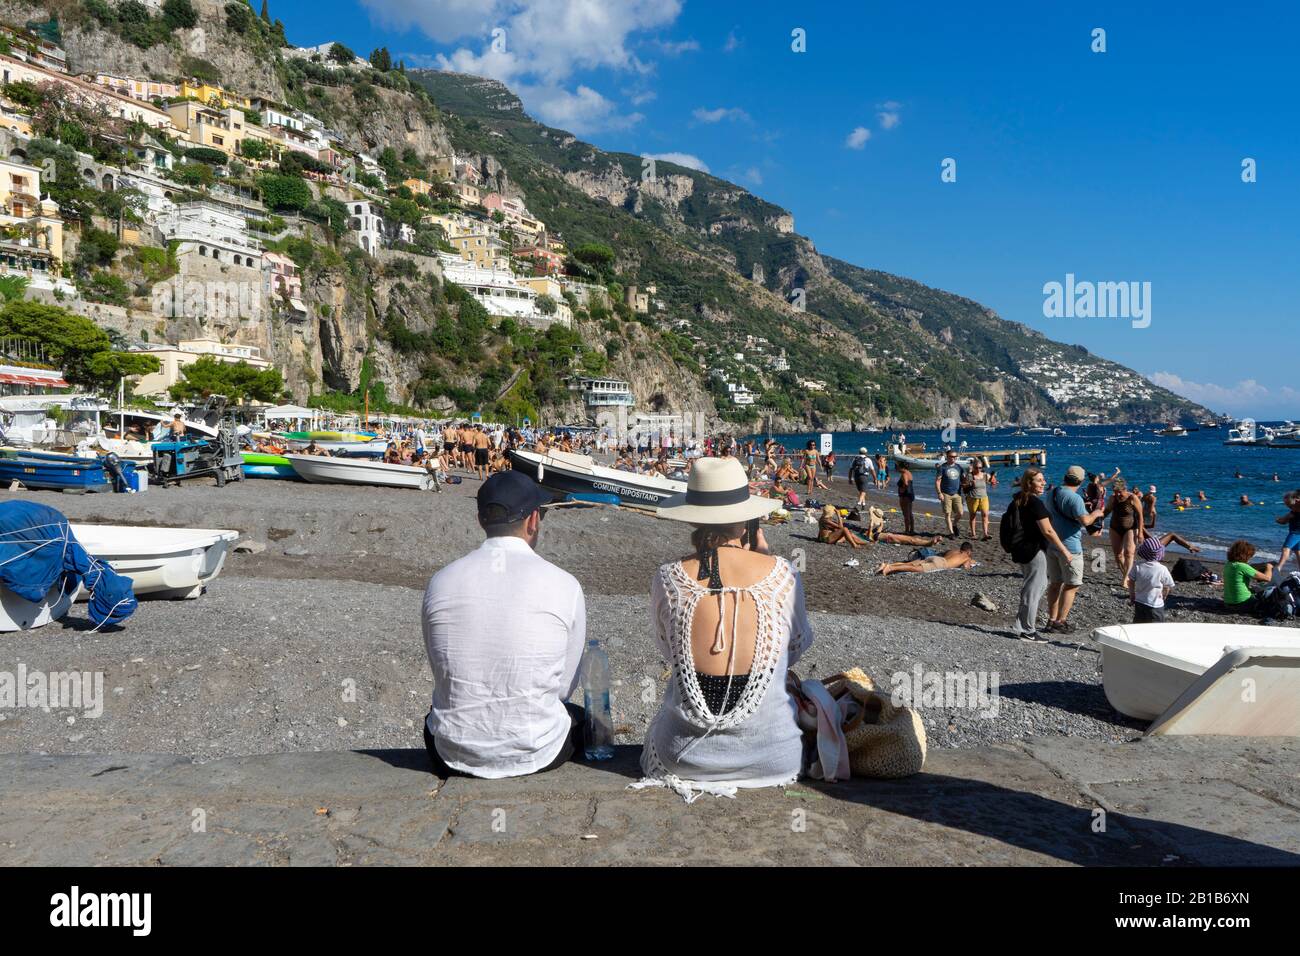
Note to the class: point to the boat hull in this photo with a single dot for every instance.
(161, 562)
(53, 472)
(357, 471)
(1146, 667)
(558, 475)
(19, 614)
(262, 465)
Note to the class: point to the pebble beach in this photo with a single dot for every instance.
(310, 638)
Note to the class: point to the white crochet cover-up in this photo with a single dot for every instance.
(757, 743)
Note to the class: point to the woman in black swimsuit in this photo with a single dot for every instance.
(906, 495)
(1125, 511)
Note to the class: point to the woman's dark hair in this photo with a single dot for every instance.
(811, 444)
(707, 537)
(1241, 551)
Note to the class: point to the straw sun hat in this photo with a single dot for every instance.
(717, 493)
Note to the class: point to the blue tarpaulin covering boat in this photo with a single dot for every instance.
(39, 556)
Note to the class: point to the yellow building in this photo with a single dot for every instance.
(443, 168)
(222, 129)
(31, 229)
(417, 186)
(212, 95)
(468, 194)
(483, 249)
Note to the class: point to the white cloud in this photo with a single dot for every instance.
(889, 114)
(639, 97)
(721, 113)
(733, 42)
(681, 159)
(752, 175)
(536, 46)
(579, 111)
(1247, 397)
(858, 138)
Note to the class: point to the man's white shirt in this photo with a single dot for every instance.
(505, 630)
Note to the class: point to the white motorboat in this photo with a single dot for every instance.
(579, 474)
(19, 614)
(1146, 668)
(360, 471)
(162, 562)
(1173, 431)
(917, 457)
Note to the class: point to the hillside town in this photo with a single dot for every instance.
(208, 195)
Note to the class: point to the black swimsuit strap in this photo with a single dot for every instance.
(709, 569)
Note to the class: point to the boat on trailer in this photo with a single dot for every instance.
(580, 475)
(50, 471)
(161, 562)
(359, 471)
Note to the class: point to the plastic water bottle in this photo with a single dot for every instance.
(598, 733)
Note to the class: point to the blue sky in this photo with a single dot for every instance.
(1117, 166)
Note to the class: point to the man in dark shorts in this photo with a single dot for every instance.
(481, 443)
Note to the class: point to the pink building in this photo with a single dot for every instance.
(545, 261)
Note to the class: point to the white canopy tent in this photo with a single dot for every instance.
(293, 413)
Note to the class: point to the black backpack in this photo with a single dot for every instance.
(1011, 532)
(1188, 569)
(1281, 601)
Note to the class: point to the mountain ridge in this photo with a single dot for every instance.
(1019, 374)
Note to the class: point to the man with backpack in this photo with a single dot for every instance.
(1069, 516)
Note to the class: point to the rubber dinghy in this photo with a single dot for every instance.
(161, 562)
(580, 475)
(43, 566)
(360, 471)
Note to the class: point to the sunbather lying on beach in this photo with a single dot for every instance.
(949, 560)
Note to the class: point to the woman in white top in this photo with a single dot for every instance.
(730, 617)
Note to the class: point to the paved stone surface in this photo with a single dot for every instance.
(1039, 802)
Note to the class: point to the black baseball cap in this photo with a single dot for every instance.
(509, 496)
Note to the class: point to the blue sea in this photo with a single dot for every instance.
(1198, 462)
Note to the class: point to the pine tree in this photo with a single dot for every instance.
(266, 13)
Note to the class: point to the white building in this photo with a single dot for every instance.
(602, 392)
(365, 221)
(497, 290)
(740, 394)
(172, 358)
(210, 231)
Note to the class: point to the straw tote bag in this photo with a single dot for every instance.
(885, 740)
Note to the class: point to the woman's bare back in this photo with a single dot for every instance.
(739, 569)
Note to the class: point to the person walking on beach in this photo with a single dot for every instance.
(504, 630)
(480, 441)
(731, 621)
(1069, 516)
(947, 484)
(1026, 534)
(810, 467)
(906, 498)
(860, 472)
(1125, 512)
(1291, 544)
(977, 498)
(882, 473)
